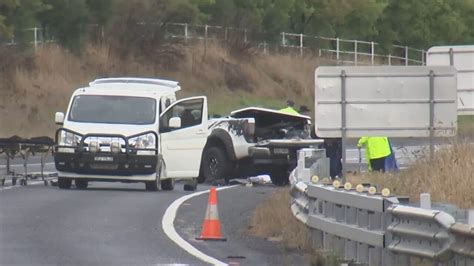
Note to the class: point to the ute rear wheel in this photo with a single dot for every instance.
(64, 183)
(279, 176)
(215, 164)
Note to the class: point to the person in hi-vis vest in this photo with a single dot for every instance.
(289, 108)
(377, 149)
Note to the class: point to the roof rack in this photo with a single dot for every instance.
(148, 81)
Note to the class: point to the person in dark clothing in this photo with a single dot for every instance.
(304, 110)
(333, 148)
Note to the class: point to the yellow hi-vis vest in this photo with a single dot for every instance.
(289, 110)
(376, 147)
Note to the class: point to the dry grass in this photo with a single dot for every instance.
(273, 219)
(30, 95)
(448, 177)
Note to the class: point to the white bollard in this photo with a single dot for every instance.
(425, 201)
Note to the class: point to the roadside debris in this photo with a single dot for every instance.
(253, 180)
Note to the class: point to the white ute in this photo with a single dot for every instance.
(130, 130)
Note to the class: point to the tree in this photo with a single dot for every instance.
(6, 8)
(67, 20)
(18, 17)
(424, 23)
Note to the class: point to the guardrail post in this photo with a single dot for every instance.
(372, 52)
(283, 39)
(425, 201)
(389, 59)
(406, 55)
(186, 32)
(225, 33)
(337, 50)
(355, 52)
(301, 44)
(205, 31)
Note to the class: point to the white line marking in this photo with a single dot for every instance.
(168, 226)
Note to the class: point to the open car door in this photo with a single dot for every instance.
(183, 134)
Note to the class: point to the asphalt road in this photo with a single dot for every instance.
(236, 207)
(120, 224)
(108, 224)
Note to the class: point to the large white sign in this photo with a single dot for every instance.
(392, 101)
(462, 58)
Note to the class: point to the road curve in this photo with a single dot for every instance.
(107, 224)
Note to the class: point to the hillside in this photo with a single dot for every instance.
(34, 87)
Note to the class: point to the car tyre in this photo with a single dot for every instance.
(64, 183)
(216, 165)
(81, 183)
(167, 184)
(279, 176)
(153, 185)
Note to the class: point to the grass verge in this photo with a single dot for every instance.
(448, 176)
(274, 221)
(32, 90)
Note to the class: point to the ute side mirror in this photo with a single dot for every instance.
(175, 122)
(59, 118)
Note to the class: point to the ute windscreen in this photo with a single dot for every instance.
(113, 109)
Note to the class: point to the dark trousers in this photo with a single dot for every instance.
(378, 164)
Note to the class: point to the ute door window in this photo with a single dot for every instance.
(189, 111)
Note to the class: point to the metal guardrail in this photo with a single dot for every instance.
(373, 229)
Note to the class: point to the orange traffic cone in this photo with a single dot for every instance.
(211, 229)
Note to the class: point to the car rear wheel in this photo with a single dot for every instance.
(64, 183)
(81, 183)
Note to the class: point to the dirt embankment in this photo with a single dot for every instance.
(35, 86)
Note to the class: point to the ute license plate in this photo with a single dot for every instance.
(103, 159)
(280, 151)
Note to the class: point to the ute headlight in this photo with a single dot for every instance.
(146, 141)
(69, 139)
